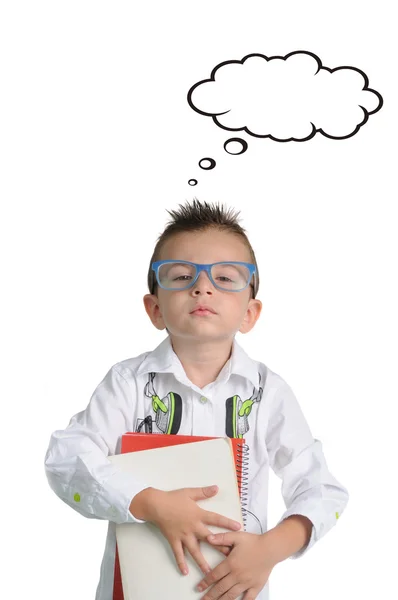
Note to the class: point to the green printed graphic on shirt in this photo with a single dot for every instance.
(167, 411)
(237, 412)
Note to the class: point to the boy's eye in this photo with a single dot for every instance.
(176, 271)
(227, 273)
(181, 277)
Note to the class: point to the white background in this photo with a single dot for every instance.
(97, 141)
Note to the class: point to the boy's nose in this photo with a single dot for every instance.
(203, 282)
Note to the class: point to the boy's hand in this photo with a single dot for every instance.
(246, 569)
(182, 522)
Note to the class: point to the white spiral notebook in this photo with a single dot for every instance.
(147, 564)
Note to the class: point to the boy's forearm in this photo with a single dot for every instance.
(289, 536)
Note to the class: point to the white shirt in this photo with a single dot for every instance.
(145, 392)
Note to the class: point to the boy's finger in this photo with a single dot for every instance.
(202, 493)
(204, 534)
(194, 549)
(213, 518)
(224, 550)
(223, 539)
(222, 570)
(178, 552)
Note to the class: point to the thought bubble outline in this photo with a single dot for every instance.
(211, 166)
(292, 139)
(236, 139)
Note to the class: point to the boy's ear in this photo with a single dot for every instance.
(152, 308)
(253, 312)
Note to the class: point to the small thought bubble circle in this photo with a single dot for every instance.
(192, 182)
(207, 163)
(235, 146)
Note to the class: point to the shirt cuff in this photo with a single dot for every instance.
(120, 489)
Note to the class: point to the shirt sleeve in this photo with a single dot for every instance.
(76, 463)
(308, 487)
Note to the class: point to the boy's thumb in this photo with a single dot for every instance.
(203, 492)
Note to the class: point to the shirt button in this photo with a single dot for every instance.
(203, 400)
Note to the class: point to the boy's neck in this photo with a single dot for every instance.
(202, 361)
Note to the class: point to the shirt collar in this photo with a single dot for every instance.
(164, 360)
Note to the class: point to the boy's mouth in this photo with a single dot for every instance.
(203, 310)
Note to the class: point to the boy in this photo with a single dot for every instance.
(203, 281)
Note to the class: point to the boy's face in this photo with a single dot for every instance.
(234, 311)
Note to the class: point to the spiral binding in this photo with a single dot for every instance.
(242, 469)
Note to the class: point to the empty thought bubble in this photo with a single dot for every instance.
(207, 163)
(286, 98)
(235, 146)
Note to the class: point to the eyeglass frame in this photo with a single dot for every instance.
(203, 267)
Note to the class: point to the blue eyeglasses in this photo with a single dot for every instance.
(230, 276)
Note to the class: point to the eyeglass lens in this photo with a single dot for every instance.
(228, 276)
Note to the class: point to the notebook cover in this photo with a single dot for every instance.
(133, 442)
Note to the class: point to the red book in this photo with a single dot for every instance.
(133, 442)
